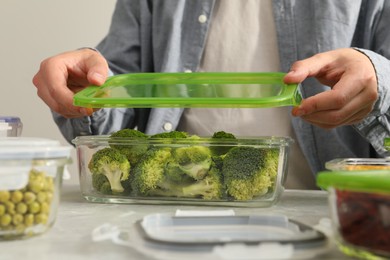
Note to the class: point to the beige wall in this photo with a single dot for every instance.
(31, 31)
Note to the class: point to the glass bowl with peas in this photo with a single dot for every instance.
(31, 172)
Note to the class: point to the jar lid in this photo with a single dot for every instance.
(219, 237)
(366, 181)
(17, 155)
(10, 119)
(31, 148)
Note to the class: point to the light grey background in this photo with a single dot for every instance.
(32, 31)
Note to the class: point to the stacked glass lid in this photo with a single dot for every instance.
(191, 90)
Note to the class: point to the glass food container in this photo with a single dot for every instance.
(246, 172)
(354, 164)
(31, 172)
(360, 210)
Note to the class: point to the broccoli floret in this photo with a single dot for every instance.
(271, 161)
(171, 134)
(174, 172)
(193, 160)
(220, 149)
(106, 188)
(211, 187)
(154, 176)
(113, 165)
(148, 175)
(223, 135)
(245, 174)
(100, 183)
(133, 151)
(130, 133)
(217, 161)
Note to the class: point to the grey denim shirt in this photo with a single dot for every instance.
(169, 36)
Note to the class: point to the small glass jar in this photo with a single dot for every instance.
(30, 180)
(10, 126)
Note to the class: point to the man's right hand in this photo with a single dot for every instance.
(61, 76)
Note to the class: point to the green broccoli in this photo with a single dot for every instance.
(113, 165)
(221, 148)
(211, 187)
(171, 134)
(106, 188)
(154, 175)
(100, 183)
(174, 172)
(148, 175)
(133, 151)
(245, 171)
(217, 161)
(192, 160)
(223, 135)
(271, 160)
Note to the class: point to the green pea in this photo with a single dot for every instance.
(17, 219)
(4, 196)
(36, 186)
(49, 197)
(29, 220)
(49, 184)
(10, 207)
(16, 196)
(34, 207)
(41, 218)
(45, 207)
(21, 208)
(29, 197)
(2, 209)
(41, 196)
(5, 220)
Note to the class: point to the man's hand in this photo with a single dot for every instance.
(63, 75)
(353, 82)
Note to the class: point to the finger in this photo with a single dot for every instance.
(309, 67)
(96, 68)
(332, 119)
(347, 88)
(352, 112)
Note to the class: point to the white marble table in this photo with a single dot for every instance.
(70, 238)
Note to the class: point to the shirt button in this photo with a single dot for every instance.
(167, 126)
(187, 71)
(202, 18)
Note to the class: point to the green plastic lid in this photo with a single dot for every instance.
(200, 89)
(386, 143)
(366, 181)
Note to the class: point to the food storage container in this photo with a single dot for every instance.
(360, 211)
(245, 172)
(30, 180)
(10, 126)
(352, 164)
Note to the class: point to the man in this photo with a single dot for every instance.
(350, 119)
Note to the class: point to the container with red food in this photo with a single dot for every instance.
(360, 211)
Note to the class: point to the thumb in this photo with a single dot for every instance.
(97, 68)
(97, 77)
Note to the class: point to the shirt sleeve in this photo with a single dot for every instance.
(103, 122)
(376, 126)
